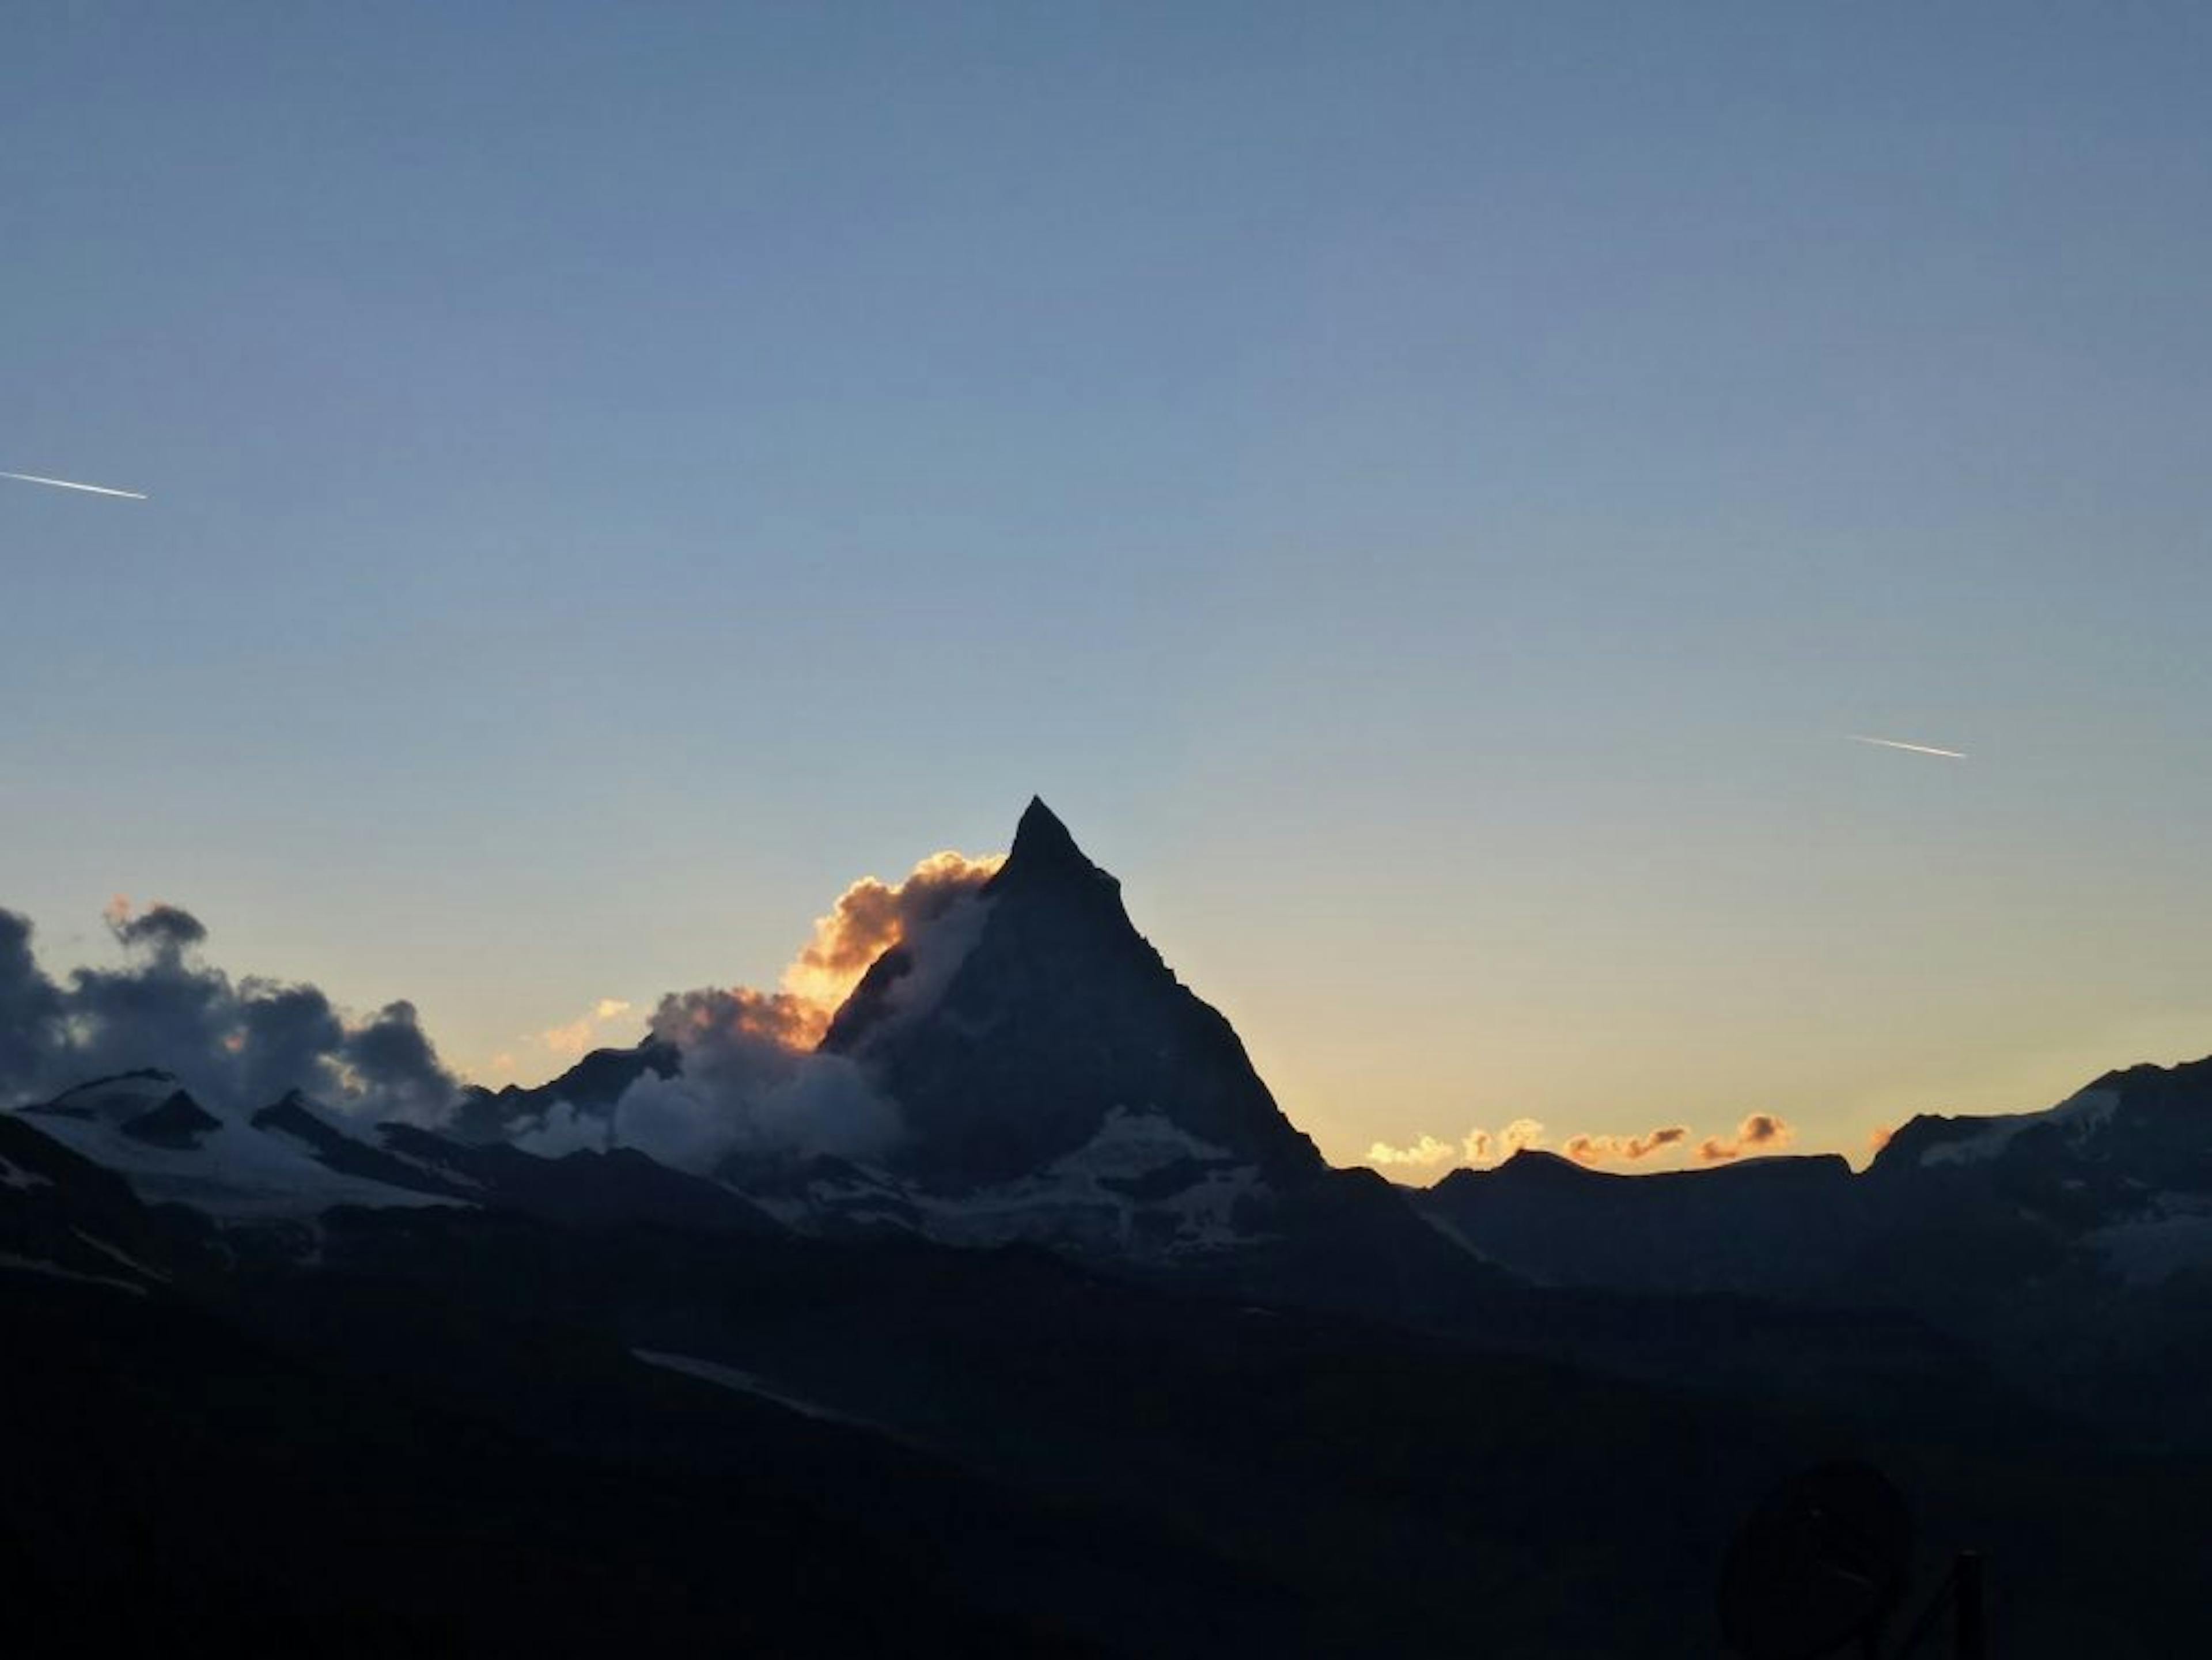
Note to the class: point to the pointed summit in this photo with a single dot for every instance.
(1041, 829)
(1043, 851)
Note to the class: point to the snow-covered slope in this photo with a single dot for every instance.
(171, 1149)
(1142, 1190)
(2079, 1117)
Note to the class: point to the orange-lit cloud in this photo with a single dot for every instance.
(1426, 1152)
(1474, 1148)
(1623, 1149)
(1761, 1131)
(687, 1017)
(870, 917)
(1481, 1147)
(1521, 1133)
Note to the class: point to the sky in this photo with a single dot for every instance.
(1426, 492)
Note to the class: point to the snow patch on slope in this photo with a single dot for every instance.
(2174, 1233)
(745, 1382)
(114, 1099)
(22, 1179)
(1085, 1198)
(8, 1261)
(1141, 1188)
(2079, 1115)
(236, 1173)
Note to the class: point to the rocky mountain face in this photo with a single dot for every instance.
(2124, 1165)
(1058, 1021)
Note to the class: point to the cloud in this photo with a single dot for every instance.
(872, 916)
(1759, 1133)
(1624, 1149)
(1521, 1134)
(586, 1031)
(289, 1032)
(1423, 1153)
(1764, 1129)
(390, 1062)
(236, 1045)
(1474, 1148)
(568, 1129)
(694, 1018)
(30, 1012)
(1479, 1147)
(750, 1086)
(752, 1083)
(163, 930)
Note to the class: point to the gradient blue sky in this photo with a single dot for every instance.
(1424, 490)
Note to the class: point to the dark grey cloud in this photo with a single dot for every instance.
(164, 930)
(289, 1033)
(30, 1011)
(238, 1044)
(161, 1009)
(393, 1071)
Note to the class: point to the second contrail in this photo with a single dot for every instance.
(72, 484)
(1917, 749)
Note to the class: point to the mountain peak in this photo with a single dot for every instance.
(1057, 1014)
(1042, 848)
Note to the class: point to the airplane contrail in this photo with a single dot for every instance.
(72, 484)
(1917, 749)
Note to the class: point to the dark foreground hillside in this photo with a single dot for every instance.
(444, 1437)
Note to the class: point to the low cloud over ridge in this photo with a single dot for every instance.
(753, 1084)
(870, 916)
(1624, 1149)
(236, 1044)
(1759, 1133)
